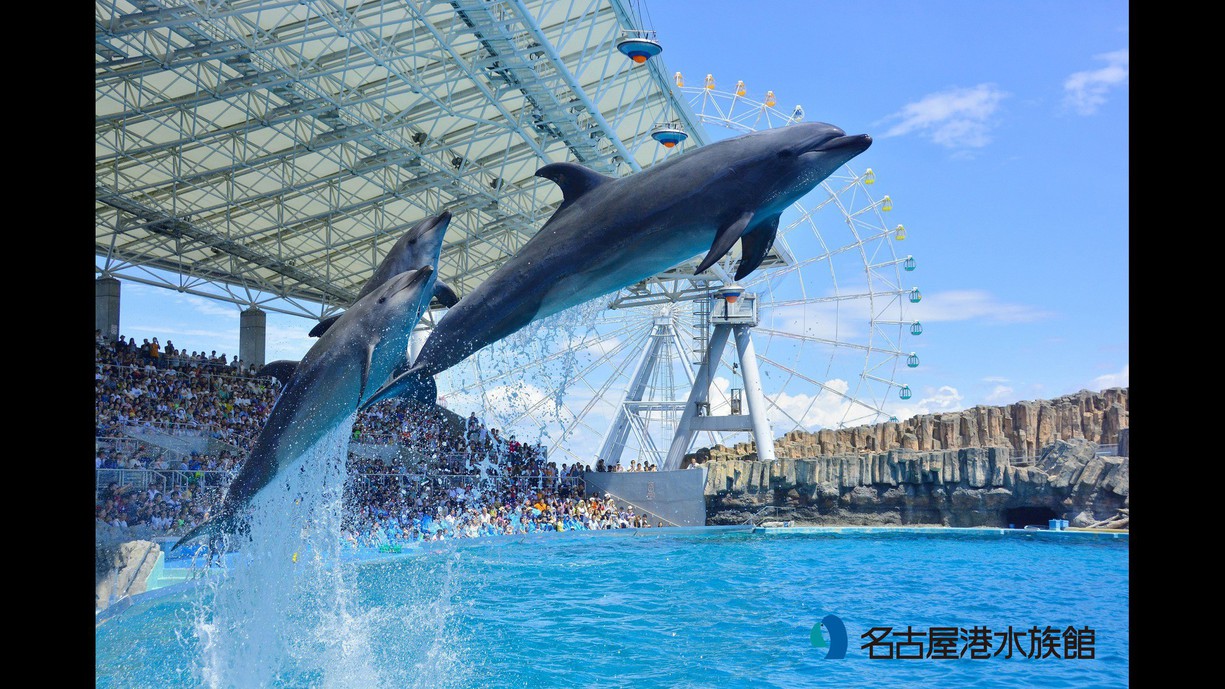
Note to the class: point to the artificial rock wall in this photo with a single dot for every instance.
(1026, 428)
(976, 467)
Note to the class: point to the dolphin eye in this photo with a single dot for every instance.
(382, 299)
(786, 153)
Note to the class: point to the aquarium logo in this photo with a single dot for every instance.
(837, 637)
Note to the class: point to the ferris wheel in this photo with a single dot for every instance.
(609, 379)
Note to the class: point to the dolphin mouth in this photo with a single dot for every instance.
(406, 281)
(856, 142)
(441, 220)
(421, 275)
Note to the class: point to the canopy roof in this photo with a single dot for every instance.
(270, 153)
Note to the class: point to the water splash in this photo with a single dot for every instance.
(283, 613)
(521, 382)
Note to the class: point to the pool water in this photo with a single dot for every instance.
(666, 608)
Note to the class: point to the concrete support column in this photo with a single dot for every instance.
(252, 331)
(416, 341)
(756, 397)
(106, 307)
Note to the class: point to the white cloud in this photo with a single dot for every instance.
(1121, 379)
(995, 379)
(502, 404)
(1001, 394)
(287, 341)
(965, 305)
(219, 340)
(826, 408)
(1086, 91)
(131, 288)
(598, 348)
(205, 306)
(815, 320)
(957, 118)
(945, 398)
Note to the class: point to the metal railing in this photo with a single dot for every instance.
(135, 446)
(522, 482)
(166, 480)
(122, 443)
(209, 371)
(213, 432)
(642, 511)
(179, 362)
(752, 520)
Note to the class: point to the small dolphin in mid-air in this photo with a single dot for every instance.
(409, 252)
(609, 233)
(420, 246)
(337, 375)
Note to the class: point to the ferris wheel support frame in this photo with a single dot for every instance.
(630, 412)
(738, 321)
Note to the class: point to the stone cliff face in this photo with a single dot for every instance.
(963, 487)
(1019, 464)
(1026, 428)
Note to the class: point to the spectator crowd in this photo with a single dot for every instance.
(451, 478)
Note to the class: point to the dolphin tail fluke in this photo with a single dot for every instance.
(414, 386)
(214, 529)
(426, 391)
(204, 529)
(323, 325)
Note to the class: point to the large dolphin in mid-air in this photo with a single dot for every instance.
(609, 233)
(411, 251)
(339, 373)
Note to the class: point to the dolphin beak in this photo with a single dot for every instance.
(441, 221)
(405, 281)
(855, 142)
(423, 273)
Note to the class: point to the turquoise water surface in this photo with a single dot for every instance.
(652, 608)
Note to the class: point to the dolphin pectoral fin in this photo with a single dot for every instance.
(574, 180)
(281, 369)
(444, 294)
(725, 240)
(367, 363)
(755, 245)
(323, 325)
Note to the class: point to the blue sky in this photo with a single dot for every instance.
(1001, 135)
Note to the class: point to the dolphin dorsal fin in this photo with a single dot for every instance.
(574, 180)
(323, 325)
(281, 369)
